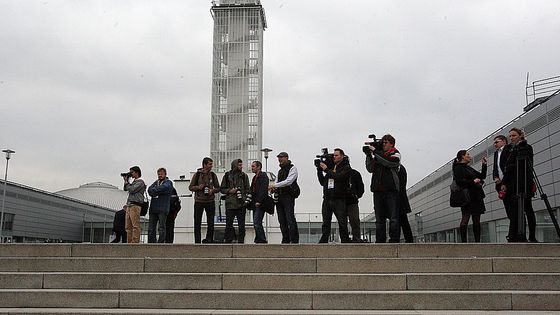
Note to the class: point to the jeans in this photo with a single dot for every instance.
(132, 224)
(338, 207)
(231, 214)
(156, 218)
(258, 215)
(199, 208)
(353, 212)
(287, 219)
(386, 207)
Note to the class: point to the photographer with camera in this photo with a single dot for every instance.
(136, 190)
(519, 187)
(235, 188)
(383, 161)
(287, 189)
(204, 185)
(160, 191)
(335, 189)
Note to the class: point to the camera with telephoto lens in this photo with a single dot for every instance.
(325, 157)
(376, 143)
(127, 174)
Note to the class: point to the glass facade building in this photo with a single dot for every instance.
(236, 123)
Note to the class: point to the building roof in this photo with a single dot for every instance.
(98, 193)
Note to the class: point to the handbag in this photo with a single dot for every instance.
(459, 197)
(268, 205)
(145, 206)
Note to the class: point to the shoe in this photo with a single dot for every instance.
(533, 240)
(205, 241)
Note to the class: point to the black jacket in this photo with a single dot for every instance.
(356, 190)
(403, 197)
(384, 169)
(259, 187)
(513, 169)
(464, 176)
(341, 176)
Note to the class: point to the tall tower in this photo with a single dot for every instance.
(236, 130)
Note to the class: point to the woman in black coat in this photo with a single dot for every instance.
(467, 177)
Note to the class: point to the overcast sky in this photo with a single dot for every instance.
(90, 88)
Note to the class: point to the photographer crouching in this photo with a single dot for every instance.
(383, 161)
(335, 190)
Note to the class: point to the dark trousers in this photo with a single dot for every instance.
(338, 207)
(405, 225)
(353, 212)
(157, 220)
(258, 215)
(386, 207)
(287, 219)
(231, 214)
(199, 208)
(511, 204)
(119, 236)
(170, 227)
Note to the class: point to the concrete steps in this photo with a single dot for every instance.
(116, 279)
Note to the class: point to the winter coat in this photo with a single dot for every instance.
(464, 176)
(209, 179)
(384, 167)
(160, 191)
(235, 179)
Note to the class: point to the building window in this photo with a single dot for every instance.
(8, 223)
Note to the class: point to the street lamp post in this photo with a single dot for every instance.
(8, 155)
(266, 151)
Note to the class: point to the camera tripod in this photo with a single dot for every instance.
(522, 192)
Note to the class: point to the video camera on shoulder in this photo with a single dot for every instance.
(376, 143)
(325, 157)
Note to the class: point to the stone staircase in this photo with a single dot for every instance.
(278, 279)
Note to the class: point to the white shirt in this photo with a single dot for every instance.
(500, 173)
(292, 176)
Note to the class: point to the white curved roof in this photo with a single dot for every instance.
(98, 193)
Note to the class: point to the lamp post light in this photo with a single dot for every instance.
(8, 155)
(266, 151)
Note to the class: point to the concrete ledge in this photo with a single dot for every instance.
(239, 265)
(74, 311)
(479, 250)
(152, 250)
(21, 281)
(59, 298)
(313, 282)
(35, 250)
(504, 281)
(126, 281)
(72, 264)
(404, 265)
(316, 251)
(260, 300)
(526, 265)
(429, 300)
(536, 301)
